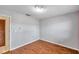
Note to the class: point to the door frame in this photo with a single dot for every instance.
(7, 34)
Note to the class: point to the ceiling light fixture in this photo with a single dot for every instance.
(39, 8)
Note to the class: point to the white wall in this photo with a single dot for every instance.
(61, 29)
(23, 29)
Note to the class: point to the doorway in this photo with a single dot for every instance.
(4, 33)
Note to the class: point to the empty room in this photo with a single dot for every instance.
(39, 29)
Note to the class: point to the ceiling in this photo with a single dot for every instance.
(50, 10)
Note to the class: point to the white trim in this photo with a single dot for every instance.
(61, 45)
(23, 44)
(47, 41)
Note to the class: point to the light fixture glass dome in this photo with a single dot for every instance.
(39, 8)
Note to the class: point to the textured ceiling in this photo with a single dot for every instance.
(50, 10)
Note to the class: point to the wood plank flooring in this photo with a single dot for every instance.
(42, 47)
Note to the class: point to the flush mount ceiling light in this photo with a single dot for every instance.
(39, 8)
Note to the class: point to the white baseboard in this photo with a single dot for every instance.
(47, 41)
(23, 44)
(61, 44)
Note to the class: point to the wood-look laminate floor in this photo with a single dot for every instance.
(43, 47)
